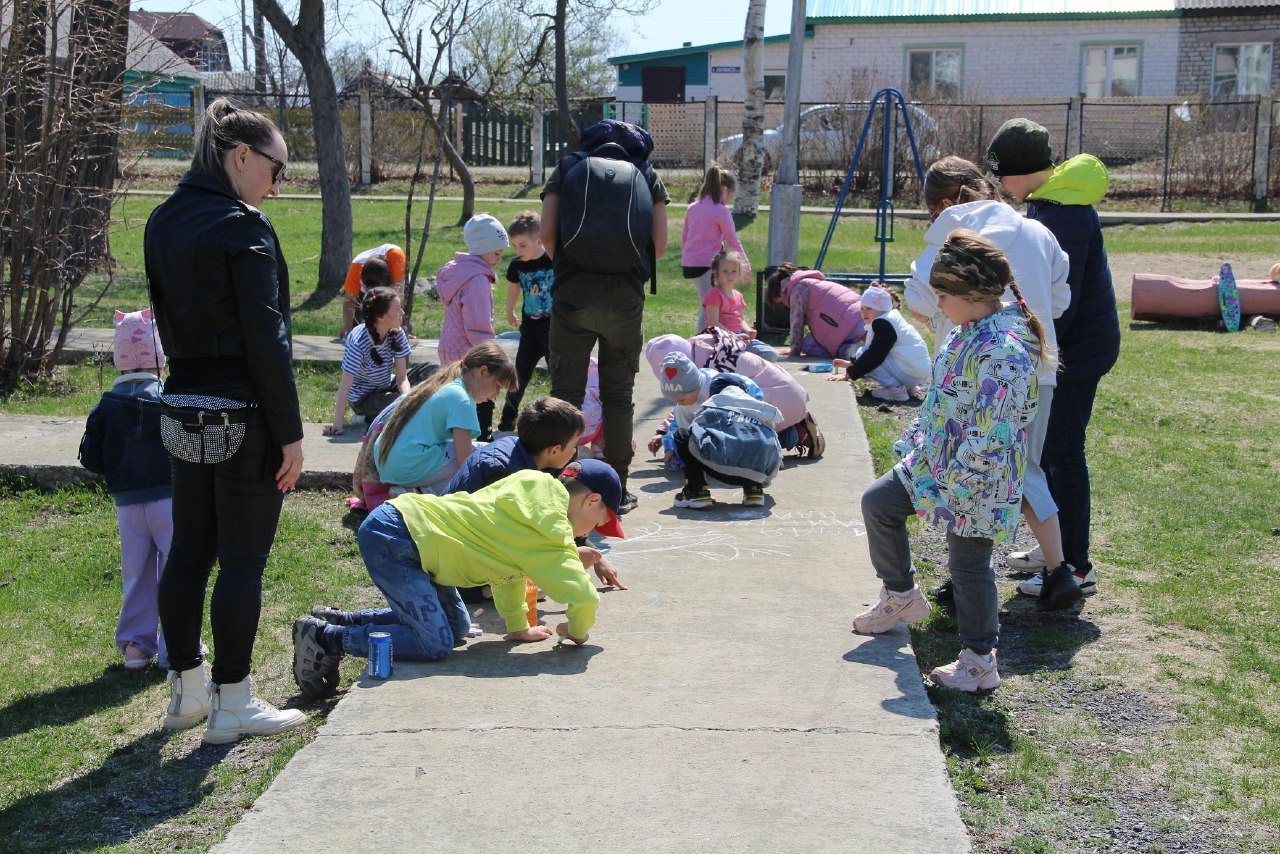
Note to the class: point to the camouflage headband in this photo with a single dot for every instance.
(960, 273)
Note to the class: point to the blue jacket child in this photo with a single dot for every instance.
(122, 442)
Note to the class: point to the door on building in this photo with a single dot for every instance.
(662, 84)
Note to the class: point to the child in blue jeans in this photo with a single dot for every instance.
(962, 460)
(420, 549)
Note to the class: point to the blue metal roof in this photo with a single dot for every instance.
(932, 8)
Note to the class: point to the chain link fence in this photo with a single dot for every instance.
(1159, 151)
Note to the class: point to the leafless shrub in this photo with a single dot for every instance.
(62, 69)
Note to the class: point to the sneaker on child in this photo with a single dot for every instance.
(1087, 580)
(812, 442)
(753, 496)
(909, 607)
(314, 669)
(700, 500)
(895, 393)
(970, 672)
(1056, 589)
(1028, 561)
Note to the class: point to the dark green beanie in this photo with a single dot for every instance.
(1020, 147)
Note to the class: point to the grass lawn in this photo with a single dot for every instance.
(1151, 716)
(1149, 719)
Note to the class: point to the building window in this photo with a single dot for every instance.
(933, 73)
(1241, 69)
(1111, 71)
(775, 87)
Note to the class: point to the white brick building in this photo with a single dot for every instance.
(988, 50)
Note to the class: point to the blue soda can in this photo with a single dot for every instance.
(379, 655)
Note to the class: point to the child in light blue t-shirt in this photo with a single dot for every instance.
(430, 432)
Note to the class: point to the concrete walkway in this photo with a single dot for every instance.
(721, 704)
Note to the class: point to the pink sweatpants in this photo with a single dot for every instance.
(146, 531)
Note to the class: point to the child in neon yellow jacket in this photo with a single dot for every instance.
(420, 548)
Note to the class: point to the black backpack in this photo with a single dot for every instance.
(606, 201)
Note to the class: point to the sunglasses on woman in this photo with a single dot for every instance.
(277, 174)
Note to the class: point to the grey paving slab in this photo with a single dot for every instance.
(721, 704)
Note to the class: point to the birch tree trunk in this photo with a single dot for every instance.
(751, 163)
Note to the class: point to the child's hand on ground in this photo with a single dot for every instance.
(784, 351)
(608, 574)
(531, 635)
(563, 631)
(589, 555)
(655, 443)
(333, 429)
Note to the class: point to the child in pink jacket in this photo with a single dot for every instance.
(708, 231)
(465, 286)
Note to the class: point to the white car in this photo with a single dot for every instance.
(829, 135)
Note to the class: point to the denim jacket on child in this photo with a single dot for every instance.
(122, 441)
(963, 458)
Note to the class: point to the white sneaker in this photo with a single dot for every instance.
(1027, 561)
(896, 393)
(1033, 585)
(910, 607)
(235, 712)
(970, 672)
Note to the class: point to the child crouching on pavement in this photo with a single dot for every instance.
(420, 548)
(730, 435)
(963, 459)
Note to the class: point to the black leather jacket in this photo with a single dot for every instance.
(220, 288)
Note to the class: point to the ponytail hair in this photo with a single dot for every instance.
(969, 266)
(487, 355)
(1033, 322)
(958, 180)
(373, 306)
(716, 181)
(222, 128)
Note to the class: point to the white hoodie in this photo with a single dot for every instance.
(1039, 266)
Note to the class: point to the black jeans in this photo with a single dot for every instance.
(535, 343)
(1066, 468)
(611, 313)
(695, 471)
(226, 512)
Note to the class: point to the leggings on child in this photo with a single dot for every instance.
(146, 530)
(886, 506)
(425, 620)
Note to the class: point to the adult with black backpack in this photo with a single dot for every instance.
(604, 223)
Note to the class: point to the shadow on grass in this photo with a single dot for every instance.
(70, 703)
(134, 789)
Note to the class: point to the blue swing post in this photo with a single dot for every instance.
(894, 104)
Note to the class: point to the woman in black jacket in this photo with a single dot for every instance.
(220, 288)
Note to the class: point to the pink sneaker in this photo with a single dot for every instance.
(895, 393)
(970, 672)
(910, 607)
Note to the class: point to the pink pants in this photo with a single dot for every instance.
(146, 530)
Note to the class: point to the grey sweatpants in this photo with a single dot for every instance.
(886, 506)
